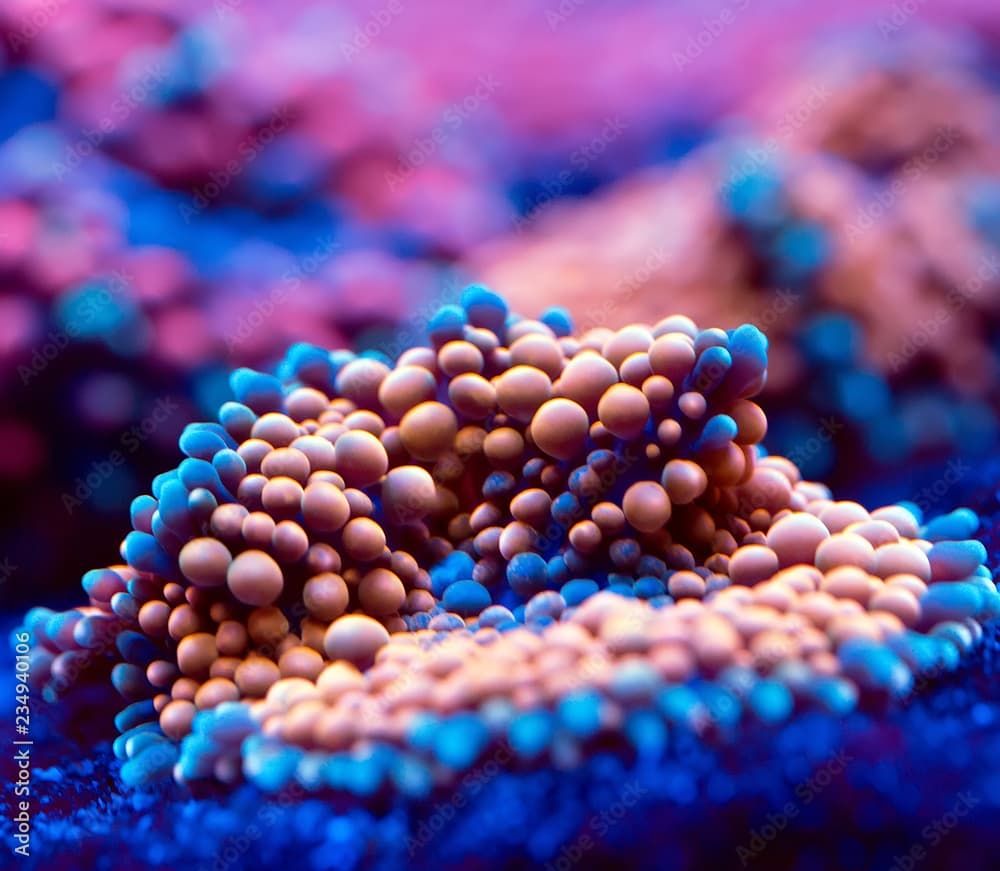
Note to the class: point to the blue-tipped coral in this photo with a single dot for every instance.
(369, 574)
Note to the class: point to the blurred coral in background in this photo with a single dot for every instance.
(187, 188)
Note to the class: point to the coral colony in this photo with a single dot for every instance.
(370, 574)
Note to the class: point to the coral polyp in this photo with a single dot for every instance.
(368, 572)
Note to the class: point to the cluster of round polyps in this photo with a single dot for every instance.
(835, 603)
(413, 563)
